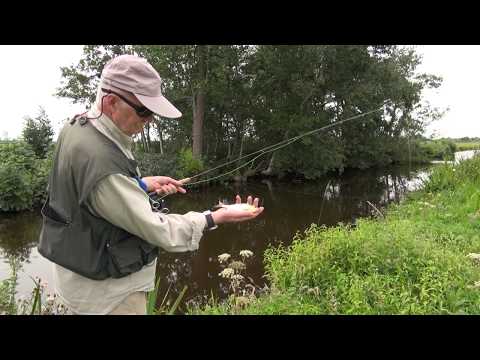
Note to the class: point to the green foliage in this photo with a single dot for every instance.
(463, 146)
(438, 149)
(23, 176)
(80, 81)
(40, 178)
(451, 176)
(8, 304)
(188, 165)
(16, 175)
(420, 259)
(38, 303)
(257, 96)
(38, 133)
(153, 164)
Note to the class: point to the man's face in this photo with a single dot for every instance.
(125, 116)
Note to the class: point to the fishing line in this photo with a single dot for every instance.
(271, 148)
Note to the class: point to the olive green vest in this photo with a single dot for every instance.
(71, 235)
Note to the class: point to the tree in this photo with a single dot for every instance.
(236, 99)
(38, 133)
(80, 81)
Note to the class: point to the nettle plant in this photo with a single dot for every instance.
(242, 287)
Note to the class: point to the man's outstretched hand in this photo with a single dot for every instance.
(230, 214)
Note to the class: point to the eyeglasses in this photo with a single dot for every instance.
(141, 111)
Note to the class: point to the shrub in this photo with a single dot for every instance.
(187, 164)
(153, 164)
(23, 176)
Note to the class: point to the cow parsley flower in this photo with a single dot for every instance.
(223, 258)
(246, 253)
(227, 273)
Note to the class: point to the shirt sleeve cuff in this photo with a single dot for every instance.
(141, 183)
(199, 225)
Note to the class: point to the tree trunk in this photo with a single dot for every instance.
(160, 138)
(149, 142)
(198, 118)
(229, 152)
(144, 142)
(241, 136)
(199, 102)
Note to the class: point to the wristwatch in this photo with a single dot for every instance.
(210, 223)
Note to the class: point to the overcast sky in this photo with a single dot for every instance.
(29, 76)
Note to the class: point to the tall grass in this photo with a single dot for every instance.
(163, 308)
(413, 261)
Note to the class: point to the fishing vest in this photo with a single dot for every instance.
(71, 235)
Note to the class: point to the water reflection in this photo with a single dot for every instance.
(18, 234)
(290, 207)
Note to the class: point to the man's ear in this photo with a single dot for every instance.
(109, 102)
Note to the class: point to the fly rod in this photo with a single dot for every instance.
(269, 149)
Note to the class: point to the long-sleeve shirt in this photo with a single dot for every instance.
(121, 201)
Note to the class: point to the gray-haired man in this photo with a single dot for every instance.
(98, 226)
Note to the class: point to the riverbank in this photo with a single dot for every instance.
(418, 258)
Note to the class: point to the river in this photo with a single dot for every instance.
(290, 207)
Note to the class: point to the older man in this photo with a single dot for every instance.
(99, 229)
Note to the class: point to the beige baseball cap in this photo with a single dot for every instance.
(134, 74)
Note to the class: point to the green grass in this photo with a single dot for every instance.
(463, 146)
(414, 261)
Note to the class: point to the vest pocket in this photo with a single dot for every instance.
(52, 216)
(129, 255)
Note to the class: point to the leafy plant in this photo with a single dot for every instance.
(38, 133)
(188, 165)
(23, 176)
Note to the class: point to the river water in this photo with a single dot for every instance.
(290, 207)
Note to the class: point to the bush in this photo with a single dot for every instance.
(23, 176)
(40, 178)
(438, 149)
(187, 164)
(153, 164)
(464, 146)
(38, 133)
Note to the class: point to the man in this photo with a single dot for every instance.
(99, 229)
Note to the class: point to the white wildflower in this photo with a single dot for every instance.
(246, 253)
(227, 273)
(223, 257)
(237, 277)
(50, 298)
(237, 265)
(474, 257)
(315, 291)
